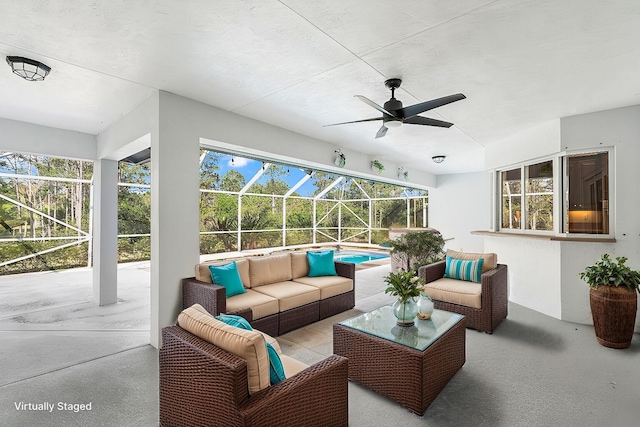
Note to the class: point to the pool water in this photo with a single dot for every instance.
(358, 257)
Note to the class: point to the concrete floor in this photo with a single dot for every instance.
(57, 347)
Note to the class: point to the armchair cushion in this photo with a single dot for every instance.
(249, 345)
(228, 277)
(455, 291)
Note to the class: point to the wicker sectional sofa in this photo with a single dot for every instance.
(280, 296)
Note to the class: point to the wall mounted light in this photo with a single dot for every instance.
(438, 159)
(341, 159)
(28, 69)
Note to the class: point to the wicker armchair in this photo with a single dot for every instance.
(203, 385)
(494, 299)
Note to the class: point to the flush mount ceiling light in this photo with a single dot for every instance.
(438, 159)
(28, 69)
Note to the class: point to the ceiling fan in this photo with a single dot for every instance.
(394, 115)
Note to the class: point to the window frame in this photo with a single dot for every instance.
(560, 194)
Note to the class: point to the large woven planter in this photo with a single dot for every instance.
(613, 309)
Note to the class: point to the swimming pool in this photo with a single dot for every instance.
(358, 257)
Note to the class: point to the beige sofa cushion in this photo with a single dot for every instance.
(261, 305)
(249, 345)
(329, 285)
(269, 269)
(299, 264)
(204, 275)
(456, 292)
(290, 294)
(490, 260)
(291, 366)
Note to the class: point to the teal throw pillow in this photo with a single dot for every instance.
(471, 271)
(237, 321)
(321, 264)
(276, 370)
(227, 276)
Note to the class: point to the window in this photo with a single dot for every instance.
(529, 200)
(512, 199)
(587, 194)
(539, 196)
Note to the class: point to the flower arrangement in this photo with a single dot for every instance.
(404, 284)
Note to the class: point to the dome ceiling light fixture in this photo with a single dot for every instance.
(438, 159)
(28, 69)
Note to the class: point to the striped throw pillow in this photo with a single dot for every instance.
(471, 271)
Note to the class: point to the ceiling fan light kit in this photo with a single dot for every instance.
(28, 69)
(394, 114)
(438, 159)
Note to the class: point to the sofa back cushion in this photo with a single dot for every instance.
(249, 345)
(490, 259)
(299, 265)
(204, 274)
(269, 269)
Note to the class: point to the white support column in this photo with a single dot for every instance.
(175, 219)
(105, 232)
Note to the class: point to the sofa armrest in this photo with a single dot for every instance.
(304, 398)
(211, 297)
(346, 269)
(432, 272)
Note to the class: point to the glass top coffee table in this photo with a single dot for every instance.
(408, 364)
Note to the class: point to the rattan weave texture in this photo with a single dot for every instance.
(494, 299)
(405, 375)
(203, 385)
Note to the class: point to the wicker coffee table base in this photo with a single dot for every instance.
(407, 376)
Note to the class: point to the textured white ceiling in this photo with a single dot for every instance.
(298, 63)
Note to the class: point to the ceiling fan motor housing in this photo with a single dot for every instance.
(391, 106)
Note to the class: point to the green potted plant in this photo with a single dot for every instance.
(614, 300)
(406, 286)
(413, 249)
(377, 165)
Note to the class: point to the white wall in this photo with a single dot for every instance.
(619, 128)
(459, 204)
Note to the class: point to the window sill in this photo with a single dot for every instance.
(546, 237)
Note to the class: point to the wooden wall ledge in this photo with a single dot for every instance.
(545, 237)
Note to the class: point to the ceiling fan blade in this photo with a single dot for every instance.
(416, 109)
(374, 105)
(418, 120)
(355, 121)
(382, 131)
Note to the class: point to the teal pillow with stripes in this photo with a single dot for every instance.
(469, 270)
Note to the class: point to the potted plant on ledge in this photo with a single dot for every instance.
(614, 300)
(406, 285)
